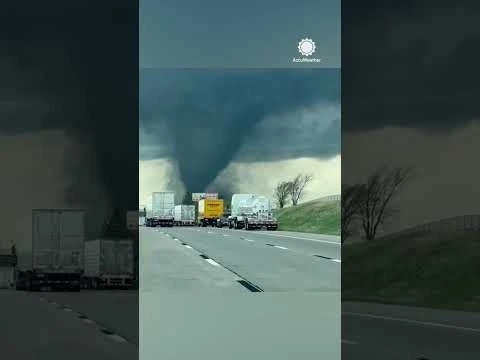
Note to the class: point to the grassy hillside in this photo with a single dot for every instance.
(312, 217)
(439, 271)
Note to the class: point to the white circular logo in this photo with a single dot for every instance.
(306, 47)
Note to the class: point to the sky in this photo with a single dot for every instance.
(224, 120)
(409, 84)
(242, 34)
(410, 88)
(65, 88)
(239, 130)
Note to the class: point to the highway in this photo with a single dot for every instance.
(270, 261)
(377, 331)
(55, 326)
(294, 314)
(192, 304)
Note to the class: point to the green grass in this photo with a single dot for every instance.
(311, 217)
(424, 270)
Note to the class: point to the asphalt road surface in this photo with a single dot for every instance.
(373, 331)
(192, 304)
(271, 261)
(35, 328)
(195, 307)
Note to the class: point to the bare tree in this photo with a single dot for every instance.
(375, 196)
(282, 190)
(350, 207)
(297, 186)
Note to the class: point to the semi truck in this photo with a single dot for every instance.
(184, 215)
(251, 211)
(55, 259)
(160, 209)
(209, 211)
(109, 263)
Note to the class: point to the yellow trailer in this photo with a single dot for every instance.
(209, 211)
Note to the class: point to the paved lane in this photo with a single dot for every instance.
(167, 265)
(192, 308)
(254, 326)
(308, 244)
(35, 329)
(114, 310)
(395, 332)
(273, 268)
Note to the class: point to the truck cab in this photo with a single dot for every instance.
(251, 212)
(209, 211)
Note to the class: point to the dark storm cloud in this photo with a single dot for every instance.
(207, 115)
(410, 64)
(305, 132)
(64, 65)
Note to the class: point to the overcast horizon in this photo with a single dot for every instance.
(239, 130)
(409, 98)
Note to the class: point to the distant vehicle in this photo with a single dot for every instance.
(55, 260)
(223, 221)
(184, 215)
(109, 264)
(160, 209)
(251, 211)
(209, 211)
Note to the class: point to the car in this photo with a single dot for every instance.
(223, 221)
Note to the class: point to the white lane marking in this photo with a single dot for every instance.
(67, 310)
(209, 232)
(88, 321)
(117, 338)
(280, 247)
(226, 235)
(298, 237)
(250, 240)
(188, 246)
(349, 342)
(409, 321)
(212, 262)
(336, 260)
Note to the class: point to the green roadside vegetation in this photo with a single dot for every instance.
(436, 271)
(311, 217)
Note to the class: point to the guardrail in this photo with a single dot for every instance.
(449, 225)
(330, 198)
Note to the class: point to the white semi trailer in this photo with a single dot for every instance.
(160, 209)
(55, 259)
(109, 263)
(184, 215)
